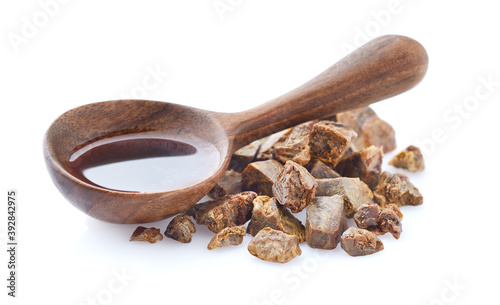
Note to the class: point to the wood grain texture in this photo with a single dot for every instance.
(380, 69)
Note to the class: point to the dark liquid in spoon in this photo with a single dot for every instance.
(146, 164)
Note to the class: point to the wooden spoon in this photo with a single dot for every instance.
(382, 68)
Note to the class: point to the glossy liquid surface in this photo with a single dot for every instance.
(145, 164)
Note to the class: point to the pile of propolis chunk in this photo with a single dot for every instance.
(331, 168)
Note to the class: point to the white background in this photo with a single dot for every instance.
(90, 51)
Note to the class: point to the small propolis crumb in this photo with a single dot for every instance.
(150, 235)
(329, 141)
(260, 176)
(379, 220)
(274, 246)
(370, 128)
(359, 242)
(181, 228)
(294, 145)
(397, 189)
(229, 184)
(325, 223)
(243, 156)
(228, 211)
(295, 187)
(320, 170)
(354, 191)
(410, 159)
(365, 164)
(226, 237)
(268, 213)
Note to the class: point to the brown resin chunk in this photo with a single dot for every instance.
(244, 156)
(379, 220)
(326, 221)
(228, 211)
(367, 215)
(379, 133)
(354, 191)
(397, 189)
(411, 159)
(267, 213)
(226, 237)
(357, 242)
(260, 176)
(370, 128)
(274, 246)
(267, 145)
(229, 183)
(294, 145)
(329, 141)
(180, 228)
(389, 220)
(295, 187)
(265, 154)
(350, 150)
(320, 170)
(365, 164)
(150, 235)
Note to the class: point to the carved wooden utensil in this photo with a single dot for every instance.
(382, 68)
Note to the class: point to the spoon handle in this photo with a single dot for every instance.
(384, 67)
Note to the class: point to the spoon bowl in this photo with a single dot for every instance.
(382, 68)
(89, 124)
